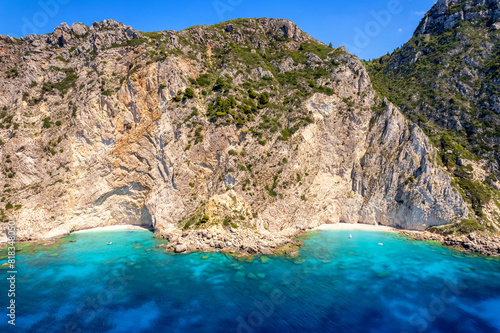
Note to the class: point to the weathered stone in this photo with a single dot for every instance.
(180, 248)
(7, 39)
(122, 157)
(475, 242)
(79, 29)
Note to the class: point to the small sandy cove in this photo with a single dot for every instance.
(356, 226)
(337, 226)
(113, 227)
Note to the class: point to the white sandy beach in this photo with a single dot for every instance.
(357, 226)
(112, 227)
(337, 226)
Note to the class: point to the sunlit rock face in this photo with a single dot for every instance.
(233, 136)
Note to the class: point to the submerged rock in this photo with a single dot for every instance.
(384, 274)
(264, 259)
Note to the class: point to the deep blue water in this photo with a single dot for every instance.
(337, 285)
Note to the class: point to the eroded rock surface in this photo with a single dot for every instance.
(236, 136)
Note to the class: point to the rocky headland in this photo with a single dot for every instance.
(488, 245)
(237, 137)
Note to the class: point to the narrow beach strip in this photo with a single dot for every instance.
(114, 227)
(355, 226)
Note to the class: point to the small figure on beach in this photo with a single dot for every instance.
(350, 236)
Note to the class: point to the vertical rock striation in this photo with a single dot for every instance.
(235, 136)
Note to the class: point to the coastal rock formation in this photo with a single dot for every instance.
(446, 14)
(235, 136)
(474, 242)
(446, 79)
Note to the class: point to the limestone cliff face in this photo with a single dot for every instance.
(446, 79)
(230, 136)
(445, 14)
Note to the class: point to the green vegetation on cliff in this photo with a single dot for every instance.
(447, 81)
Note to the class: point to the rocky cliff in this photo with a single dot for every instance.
(446, 79)
(233, 136)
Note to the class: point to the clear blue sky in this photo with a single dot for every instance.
(369, 28)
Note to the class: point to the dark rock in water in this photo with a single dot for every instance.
(384, 274)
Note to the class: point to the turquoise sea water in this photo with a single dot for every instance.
(337, 285)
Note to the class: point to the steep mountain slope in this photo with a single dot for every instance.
(232, 136)
(446, 79)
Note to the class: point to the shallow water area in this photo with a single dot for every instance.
(338, 284)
